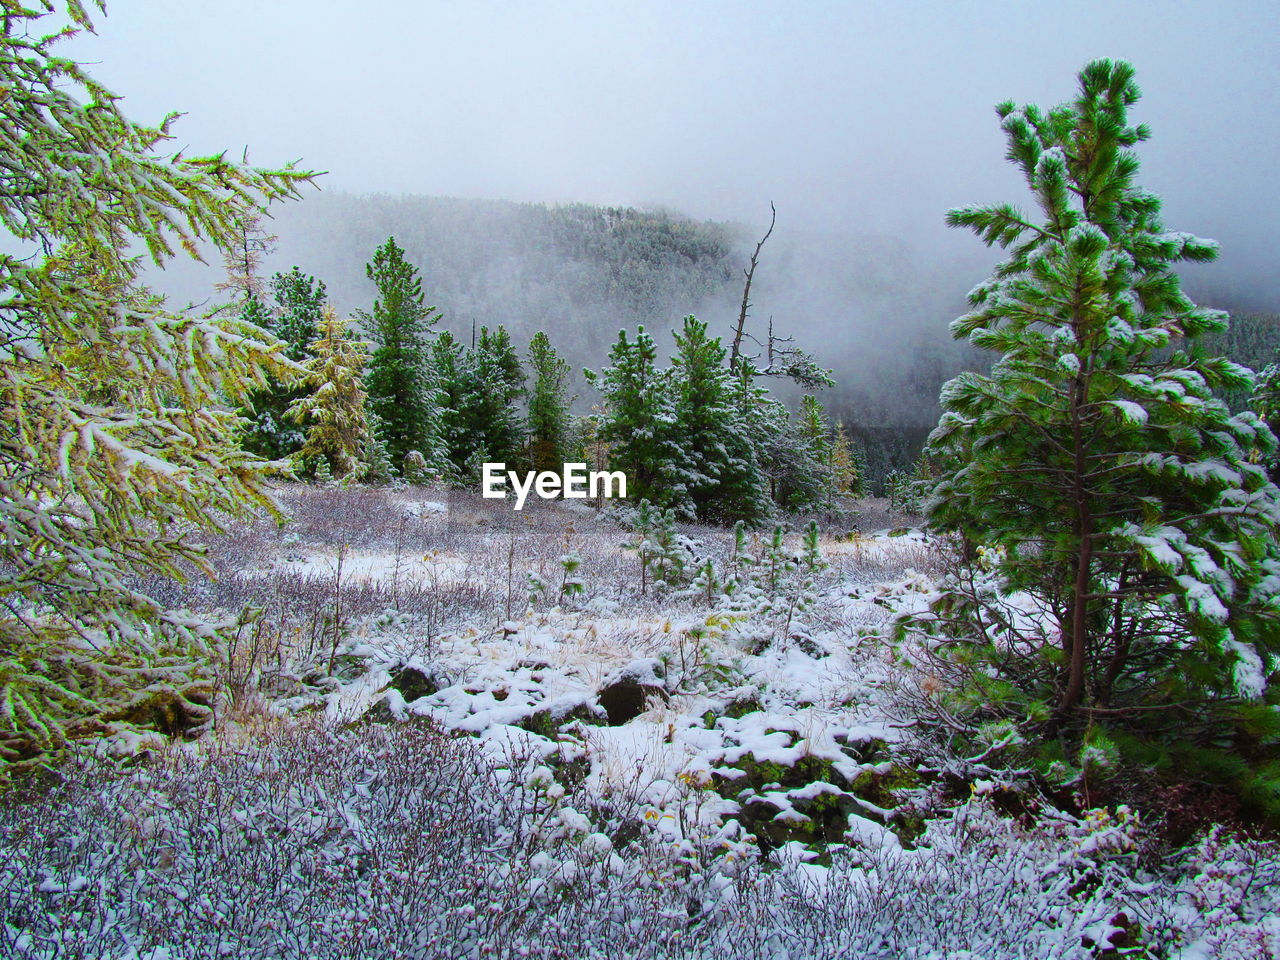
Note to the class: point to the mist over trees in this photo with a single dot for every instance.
(581, 272)
(872, 307)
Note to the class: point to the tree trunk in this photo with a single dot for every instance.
(1078, 650)
(736, 349)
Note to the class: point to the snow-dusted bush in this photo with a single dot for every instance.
(402, 842)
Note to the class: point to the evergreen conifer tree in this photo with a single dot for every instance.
(116, 441)
(815, 436)
(401, 388)
(492, 394)
(1266, 402)
(374, 458)
(797, 479)
(449, 367)
(639, 421)
(549, 422)
(299, 300)
(718, 466)
(1094, 464)
(814, 429)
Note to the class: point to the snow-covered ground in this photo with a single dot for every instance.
(448, 740)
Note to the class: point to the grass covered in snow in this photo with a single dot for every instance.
(430, 745)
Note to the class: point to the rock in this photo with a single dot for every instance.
(862, 745)
(778, 802)
(412, 683)
(547, 722)
(626, 697)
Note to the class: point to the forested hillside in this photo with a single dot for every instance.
(875, 307)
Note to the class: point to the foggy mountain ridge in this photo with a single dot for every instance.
(870, 307)
(873, 308)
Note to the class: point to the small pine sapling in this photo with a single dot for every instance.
(571, 584)
(643, 525)
(669, 550)
(775, 562)
(536, 587)
(415, 470)
(706, 583)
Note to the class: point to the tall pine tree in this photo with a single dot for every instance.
(1095, 458)
(298, 302)
(449, 368)
(718, 466)
(549, 421)
(639, 421)
(401, 388)
(495, 387)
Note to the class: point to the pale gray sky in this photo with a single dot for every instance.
(872, 117)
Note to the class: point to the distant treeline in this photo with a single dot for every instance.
(395, 398)
(581, 273)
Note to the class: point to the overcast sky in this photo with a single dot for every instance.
(859, 116)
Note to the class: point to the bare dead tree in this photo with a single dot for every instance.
(736, 350)
(782, 358)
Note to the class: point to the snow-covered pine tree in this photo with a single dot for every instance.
(718, 467)
(376, 461)
(1097, 459)
(492, 391)
(299, 300)
(334, 406)
(638, 422)
(863, 481)
(814, 428)
(796, 478)
(117, 428)
(815, 433)
(549, 421)
(400, 385)
(449, 370)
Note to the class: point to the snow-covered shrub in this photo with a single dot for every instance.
(316, 843)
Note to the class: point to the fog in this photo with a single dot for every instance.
(862, 122)
(871, 116)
